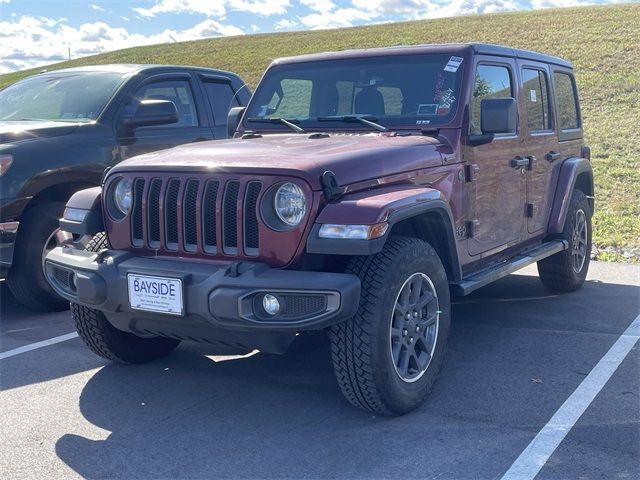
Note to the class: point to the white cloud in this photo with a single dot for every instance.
(320, 5)
(36, 41)
(285, 24)
(261, 7)
(206, 7)
(342, 17)
(97, 8)
(126, 19)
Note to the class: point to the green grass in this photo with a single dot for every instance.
(603, 42)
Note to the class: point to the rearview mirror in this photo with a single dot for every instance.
(233, 120)
(151, 112)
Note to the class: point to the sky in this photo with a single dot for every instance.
(34, 33)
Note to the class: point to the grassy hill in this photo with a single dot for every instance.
(603, 42)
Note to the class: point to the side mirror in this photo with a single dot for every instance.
(233, 120)
(151, 112)
(498, 115)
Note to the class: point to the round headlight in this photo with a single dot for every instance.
(290, 204)
(122, 196)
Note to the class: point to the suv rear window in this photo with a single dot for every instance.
(566, 101)
(536, 99)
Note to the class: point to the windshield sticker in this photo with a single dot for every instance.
(454, 64)
(534, 97)
(428, 109)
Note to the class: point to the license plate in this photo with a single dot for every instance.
(155, 294)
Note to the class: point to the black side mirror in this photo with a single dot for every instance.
(151, 112)
(498, 115)
(233, 120)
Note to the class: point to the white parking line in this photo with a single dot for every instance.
(533, 458)
(35, 346)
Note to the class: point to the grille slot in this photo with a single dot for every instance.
(136, 214)
(209, 216)
(230, 217)
(190, 216)
(153, 210)
(171, 214)
(251, 231)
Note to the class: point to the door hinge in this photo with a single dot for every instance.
(530, 209)
(471, 172)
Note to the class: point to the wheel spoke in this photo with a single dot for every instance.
(416, 290)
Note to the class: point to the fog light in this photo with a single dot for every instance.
(270, 304)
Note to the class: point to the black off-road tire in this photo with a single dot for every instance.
(107, 341)
(26, 279)
(361, 347)
(557, 272)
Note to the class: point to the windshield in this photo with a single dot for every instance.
(394, 91)
(73, 97)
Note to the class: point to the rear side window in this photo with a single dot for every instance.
(536, 99)
(566, 101)
(491, 81)
(222, 99)
(292, 100)
(176, 91)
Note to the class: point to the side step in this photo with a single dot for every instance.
(494, 272)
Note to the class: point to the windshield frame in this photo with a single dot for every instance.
(311, 125)
(102, 110)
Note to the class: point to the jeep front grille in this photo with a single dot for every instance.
(189, 215)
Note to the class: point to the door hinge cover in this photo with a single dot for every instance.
(472, 227)
(530, 210)
(471, 172)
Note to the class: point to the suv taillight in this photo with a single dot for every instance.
(585, 152)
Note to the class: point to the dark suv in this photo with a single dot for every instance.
(60, 130)
(362, 188)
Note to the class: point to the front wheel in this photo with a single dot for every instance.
(107, 341)
(387, 358)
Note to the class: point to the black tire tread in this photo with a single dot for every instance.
(351, 341)
(556, 272)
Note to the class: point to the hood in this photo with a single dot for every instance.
(13, 130)
(352, 157)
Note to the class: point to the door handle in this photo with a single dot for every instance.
(552, 156)
(520, 162)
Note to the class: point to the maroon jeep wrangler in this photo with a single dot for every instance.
(362, 188)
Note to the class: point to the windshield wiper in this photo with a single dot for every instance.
(366, 120)
(284, 121)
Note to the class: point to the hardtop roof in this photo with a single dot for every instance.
(452, 48)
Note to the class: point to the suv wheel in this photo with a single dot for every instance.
(107, 341)
(566, 271)
(387, 358)
(38, 234)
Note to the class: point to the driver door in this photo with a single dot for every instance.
(498, 192)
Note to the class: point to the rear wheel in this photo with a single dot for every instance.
(566, 271)
(107, 341)
(387, 358)
(39, 233)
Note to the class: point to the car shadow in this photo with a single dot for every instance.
(515, 354)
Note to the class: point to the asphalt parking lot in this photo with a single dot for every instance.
(516, 355)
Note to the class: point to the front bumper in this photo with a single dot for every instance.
(216, 297)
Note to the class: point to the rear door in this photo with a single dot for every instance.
(192, 125)
(540, 143)
(221, 97)
(498, 191)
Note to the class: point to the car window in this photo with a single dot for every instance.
(398, 90)
(491, 81)
(177, 91)
(566, 101)
(536, 99)
(222, 99)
